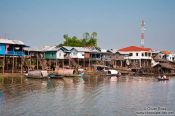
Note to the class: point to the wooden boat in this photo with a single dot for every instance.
(74, 75)
(55, 76)
(162, 78)
(102, 70)
(37, 74)
(111, 72)
(68, 72)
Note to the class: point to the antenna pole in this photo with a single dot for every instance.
(142, 33)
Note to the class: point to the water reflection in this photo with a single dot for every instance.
(84, 96)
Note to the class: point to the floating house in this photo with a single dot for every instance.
(83, 56)
(11, 47)
(11, 50)
(137, 57)
(50, 52)
(72, 56)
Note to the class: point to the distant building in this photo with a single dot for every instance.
(167, 55)
(137, 56)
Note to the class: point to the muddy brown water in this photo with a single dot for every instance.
(88, 96)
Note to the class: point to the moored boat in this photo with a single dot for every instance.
(68, 72)
(111, 72)
(37, 74)
(55, 76)
(162, 78)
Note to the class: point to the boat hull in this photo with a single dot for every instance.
(37, 74)
(55, 76)
(159, 79)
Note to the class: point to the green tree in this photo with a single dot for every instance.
(76, 42)
(86, 35)
(93, 35)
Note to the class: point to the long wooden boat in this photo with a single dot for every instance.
(163, 78)
(37, 74)
(55, 76)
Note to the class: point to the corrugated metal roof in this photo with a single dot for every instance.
(65, 48)
(68, 47)
(113, 50)
(43, 48)
(8, 41)
(81, 49)
(50, 48)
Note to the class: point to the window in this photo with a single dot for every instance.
(130, 54)
(137, 54)
(146, 54)
(149, 54)
(74, 53)
(142, 54)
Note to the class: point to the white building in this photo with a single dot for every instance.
(167, 55)
(60, 54)
(137, 56)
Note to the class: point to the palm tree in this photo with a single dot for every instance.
(66, 38)
(94, 35)
(86, 35)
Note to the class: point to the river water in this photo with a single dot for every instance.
(88, 96)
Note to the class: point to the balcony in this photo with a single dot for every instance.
(15, 53)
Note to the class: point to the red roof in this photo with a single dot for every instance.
(134, 48)
(166, 52)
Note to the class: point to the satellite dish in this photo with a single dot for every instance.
(127, 62)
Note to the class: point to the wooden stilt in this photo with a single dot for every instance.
(21, 64)
(69, 61)
(30, 61)
(13, 62)
(84, 63)
(27, 63)
(37, 61)
(6, 62)
(56, 64)
(78, 61)
(63, 63)
(13, 65)
(3, 64)
(140, 63)
(16, 62)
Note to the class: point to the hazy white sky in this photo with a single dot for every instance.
(117, 22)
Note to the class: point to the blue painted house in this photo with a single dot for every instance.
(11, 47)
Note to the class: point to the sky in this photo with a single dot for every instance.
(117, 22)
